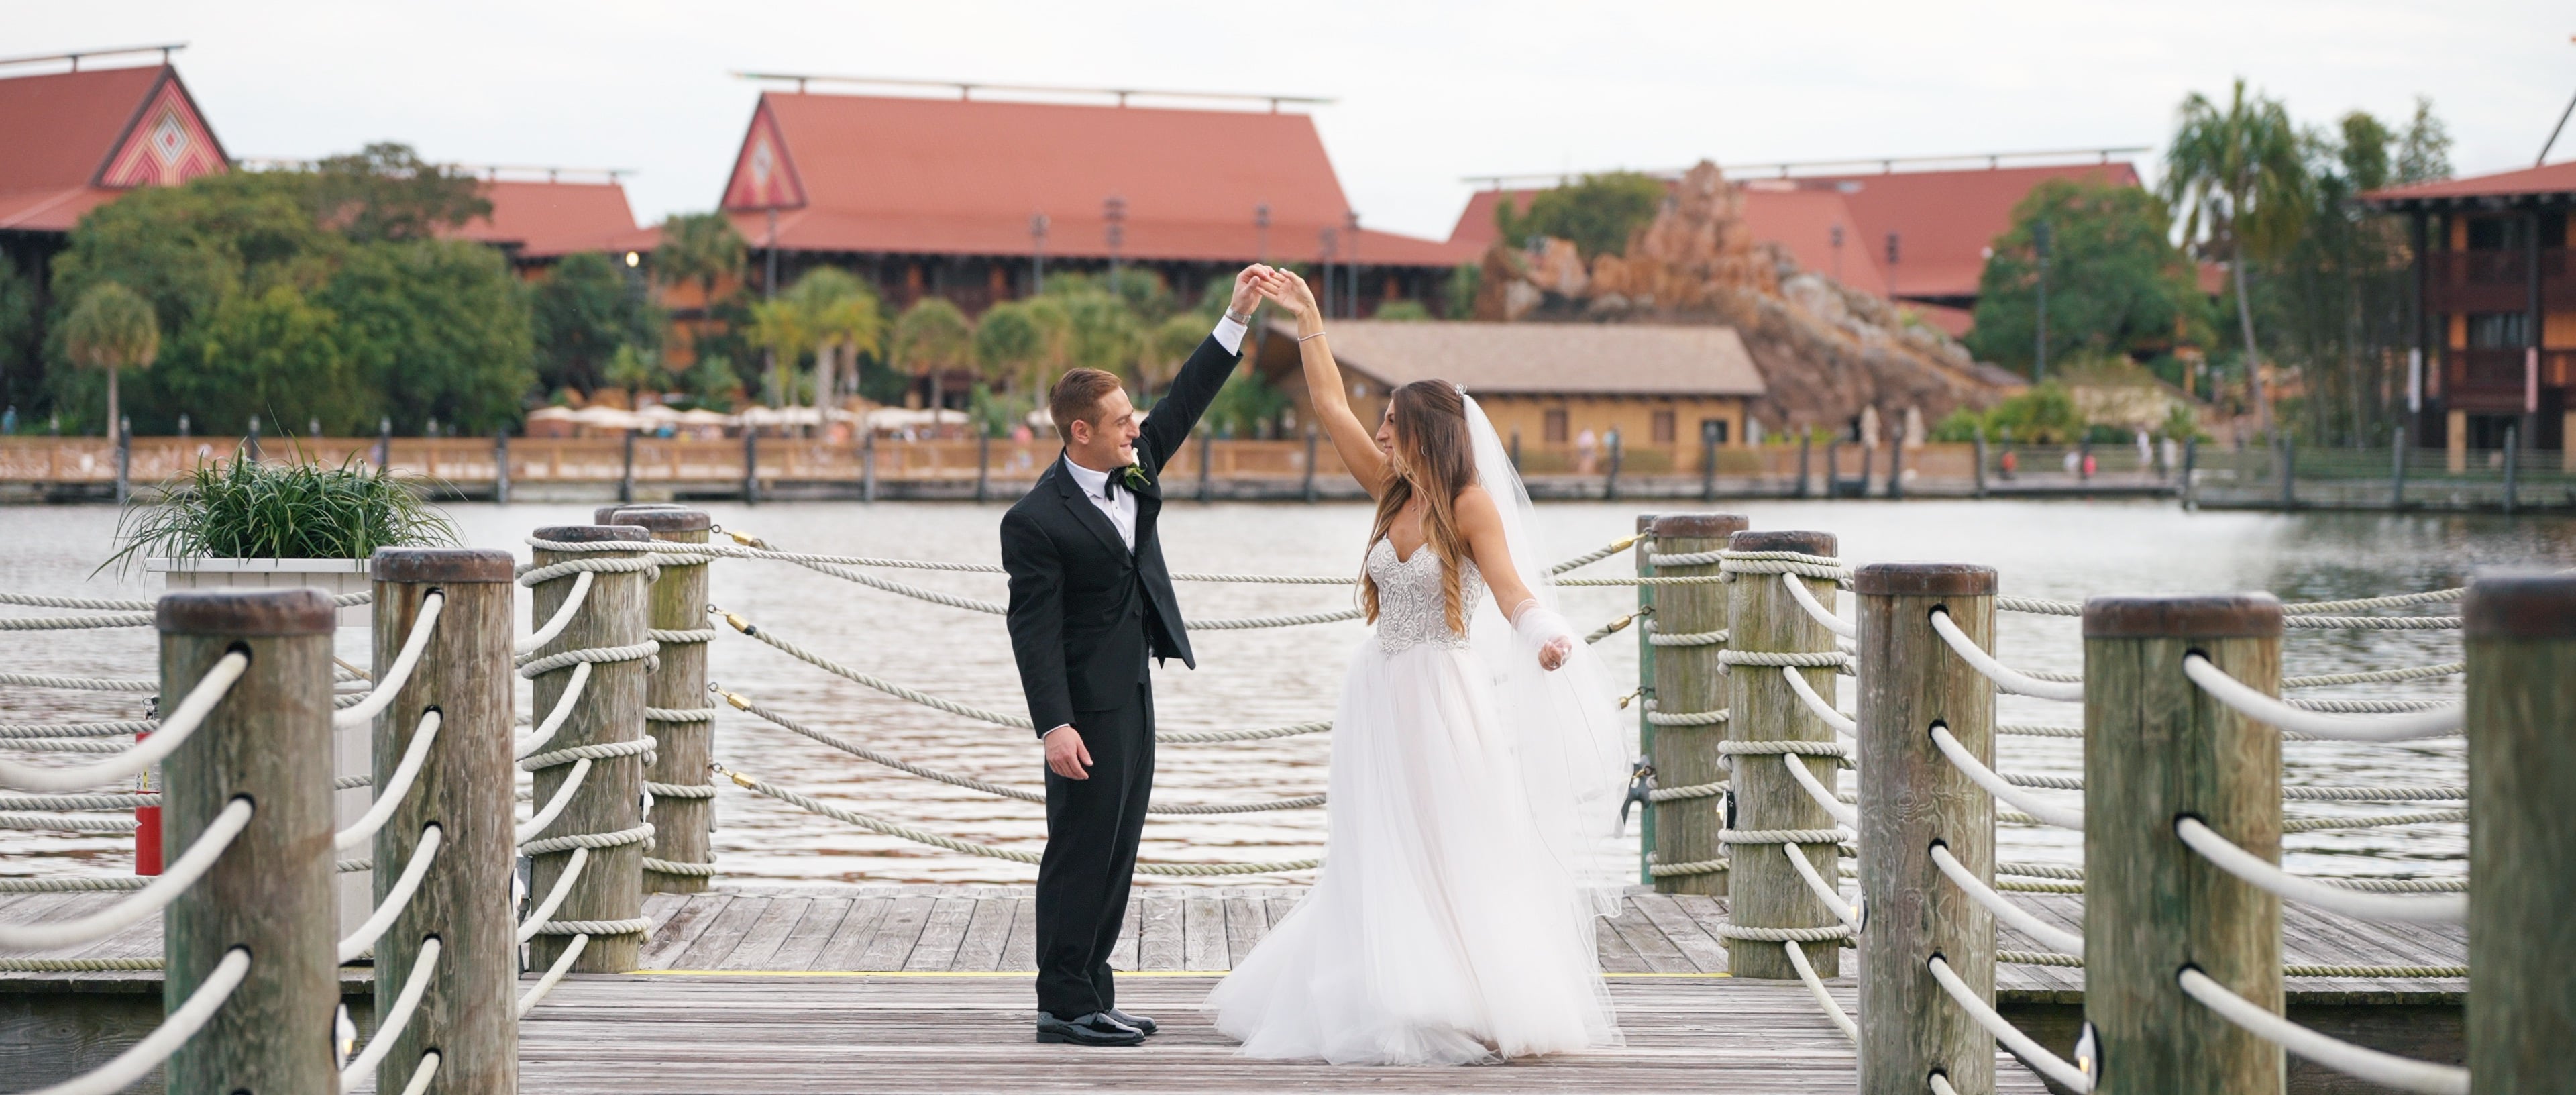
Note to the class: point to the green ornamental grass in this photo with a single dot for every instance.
(250, 510)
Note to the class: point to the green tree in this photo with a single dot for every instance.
(2424, 152)
(1402, 311)
(1458, 294)
(2044, 414)
(2116, 283)
(1012, 346)
(778, 328)
(18, 311)
(1244, 405)
(112, 330)
(439, 330)
(699, 247)
(1100, 333)
(1170, 344)
(841, 317)
(385, 191)
(2240, 180)
(931, 338)
(632, 370)
(583, 311)
(278, 355)
(1597, 212)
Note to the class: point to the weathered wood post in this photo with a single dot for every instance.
(606, 726)
(1307, 489)
(2289, 474)
(2512, 463)
(626, 471)
(1896, 467)
(1980, 456)
(1708, 461)
(1207, 462)
(751, 464)
(676, 713)
(1834, 470)
(984, 466)
(1911, 799)
(1767, 728)
(868, 468)
(1806, 443)
(124, 459)
(2190, 462)
(464, 788)
(1643, 777)
(1610, 479)
(270, 893)
(2521, 634)
(2156, 750)
(2397, 469)
(1688, 705)
(501, 467)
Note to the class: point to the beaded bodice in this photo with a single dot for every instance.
(1410, 609)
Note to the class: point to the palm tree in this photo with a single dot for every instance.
(112, 329)
(632, 368)
(699, 247)
(778, 327)
(1170, 344)
(930, 338)
(841, 318)
(1011, 345)
(2242, 187)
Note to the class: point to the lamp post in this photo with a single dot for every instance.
(1351, 269)
(2039, 246)
(1261, 228)
(1836, 236)
(1037, 253)
(1113, 210)
(1892, 256)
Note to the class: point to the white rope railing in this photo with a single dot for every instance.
(1816, 987)
(152, 898)
(1816, 789)
(79, 684)
(1843, 724)
(397, 675)
(529, 829)
(2387, 1069)
(2003, 790)
(562, 618)
(390, 1025)
(139, 1059)
(544, 913)
(396, 788)
(396, 896)
(2253, 704)
(1816, 609)
(2005, 677)
(175, 730)
(2029, 1050)
(2048, 935)
(1844, 909)
(75, 623)
(422, 1074)
(554, 974)
(545, 731)
(2263, 875)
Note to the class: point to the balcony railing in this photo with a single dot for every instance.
(2496, 281)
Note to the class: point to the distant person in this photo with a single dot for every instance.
(1091, 608)
(2011, 463)
(1587, 451)
(9, 420)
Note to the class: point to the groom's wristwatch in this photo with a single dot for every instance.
(1240, 320)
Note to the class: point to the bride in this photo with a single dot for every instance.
(1476, 773)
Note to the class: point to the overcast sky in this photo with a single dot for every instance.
(1426, 92)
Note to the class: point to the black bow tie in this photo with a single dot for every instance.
(1109, 488)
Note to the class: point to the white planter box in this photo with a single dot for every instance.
(352, 747)
(332, 576)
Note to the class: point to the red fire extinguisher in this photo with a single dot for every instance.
(147, 828)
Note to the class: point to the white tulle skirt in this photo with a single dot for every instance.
(1439, 932)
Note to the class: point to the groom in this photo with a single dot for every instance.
(1091, 602)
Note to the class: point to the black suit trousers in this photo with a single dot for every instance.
(1092, 829)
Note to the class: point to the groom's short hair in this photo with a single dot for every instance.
(1076, 398)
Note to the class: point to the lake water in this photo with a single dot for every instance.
(1261, 678)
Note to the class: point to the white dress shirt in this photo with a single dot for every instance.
(1120, 505)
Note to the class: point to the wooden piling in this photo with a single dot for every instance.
(1645, 698)
(1912, 797)
(868, 468)
(269, 740)
(1306, 488)
(2157, 749)
(2397, 469)
(501, 467)
(2521, 636)
(751, 465)
(1689, 688)
(609, 712)
(1764, 889)
(464, 788)
(626, 472)
(682, 816)
(1708, 461)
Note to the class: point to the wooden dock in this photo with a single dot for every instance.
(926, 988)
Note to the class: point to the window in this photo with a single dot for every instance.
(2499, 329)
(1714, 429)
(1663, 427)
(2495, 233)
(1553, 427)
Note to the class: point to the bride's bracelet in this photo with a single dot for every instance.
(1318, 334)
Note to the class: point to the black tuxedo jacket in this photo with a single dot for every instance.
(1086, 613)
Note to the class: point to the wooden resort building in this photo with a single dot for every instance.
(1549, 386)
(977, 199)
(1914, 230)
(2494, 311)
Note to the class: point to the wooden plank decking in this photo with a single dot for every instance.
(902, 988)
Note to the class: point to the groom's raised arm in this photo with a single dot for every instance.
(1037, 620)
(1177, 413)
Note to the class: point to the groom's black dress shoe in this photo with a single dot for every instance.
(1141, 1022)
(1095, 1029)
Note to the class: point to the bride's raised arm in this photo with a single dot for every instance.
(1482, 522)
(1354, 440)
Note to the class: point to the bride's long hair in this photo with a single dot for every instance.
(1435, 457)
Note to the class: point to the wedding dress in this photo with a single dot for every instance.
(1468, 844)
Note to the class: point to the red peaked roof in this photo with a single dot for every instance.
(549, 219)
(1944, 221)
(2549, 180)
(76, 139)
(859, 173)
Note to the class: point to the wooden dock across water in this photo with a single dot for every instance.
(925, 988)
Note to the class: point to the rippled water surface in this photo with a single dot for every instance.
(1260, 678)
